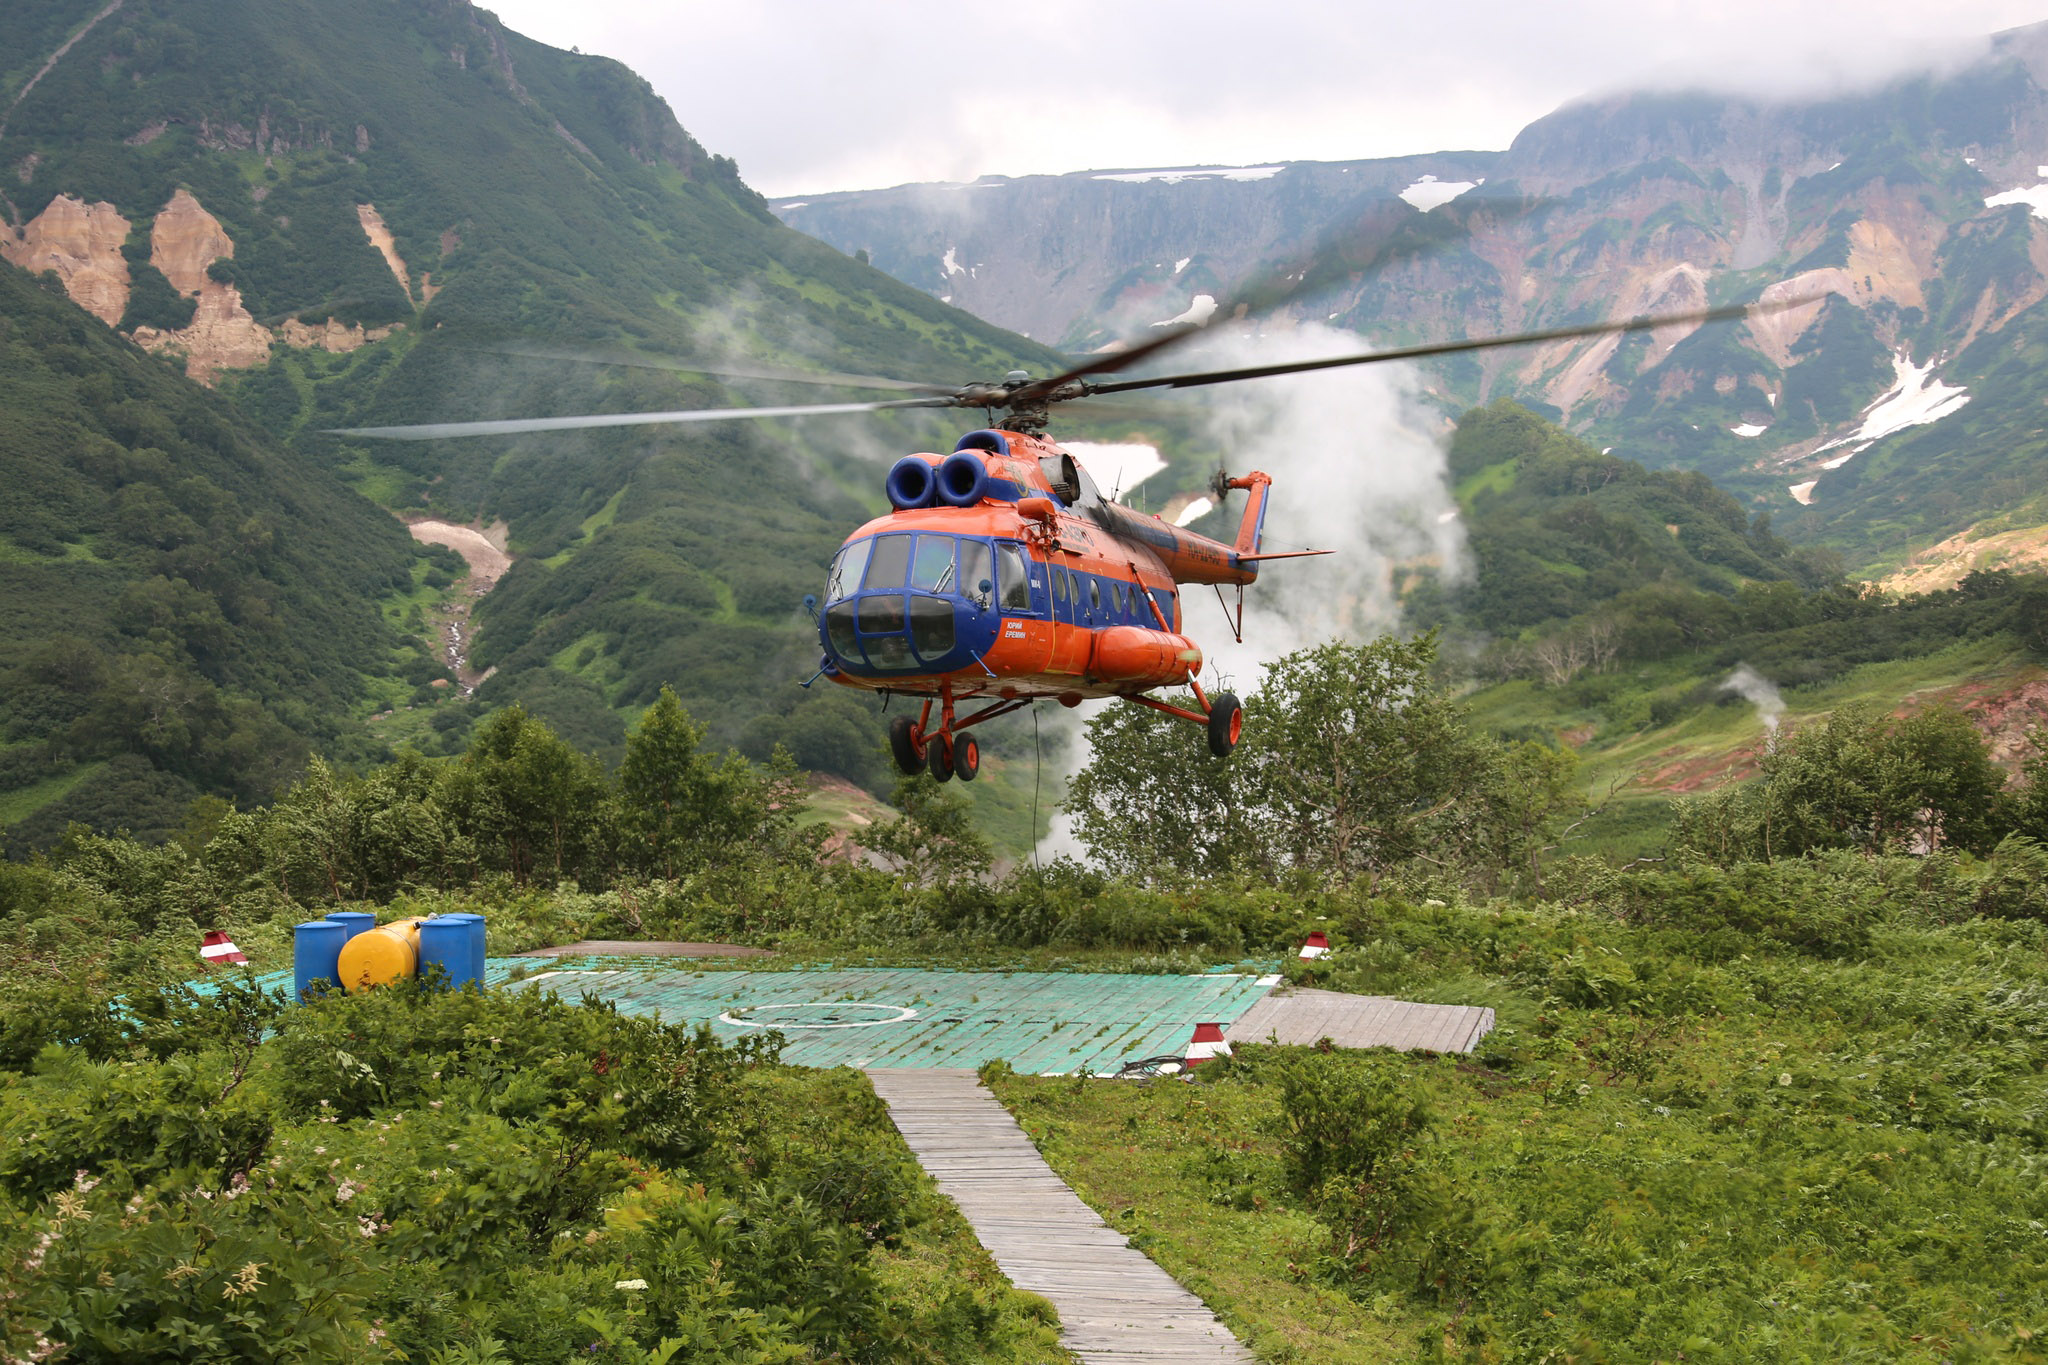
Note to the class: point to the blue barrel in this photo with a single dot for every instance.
(316, 955)
(444, 943)
(356, 920)
(475, 925)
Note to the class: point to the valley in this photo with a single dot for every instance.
(1672, 715)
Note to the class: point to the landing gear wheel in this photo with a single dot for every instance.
(966, 758)
(1226, 723)
(904, 745)
(940, 755)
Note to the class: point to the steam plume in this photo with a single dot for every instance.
(1760, 692)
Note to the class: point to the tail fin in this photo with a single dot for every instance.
(1253, 526)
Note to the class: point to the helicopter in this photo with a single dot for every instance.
(1001, 576)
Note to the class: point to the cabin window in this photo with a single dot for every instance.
(847, 567)
(1164, 597)
(932, 569)
(977, 567)
(1016, 584)
(1094, 594)
(886, 567)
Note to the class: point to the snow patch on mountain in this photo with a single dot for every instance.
(1431, 193)
(1748, 429)
(1915, 399)
(1176, 176)
(1198, 312)
(951, 264)
(1181, 264)
(1802, 493)
(2035, 198)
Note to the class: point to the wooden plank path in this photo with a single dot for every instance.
(1307, 1016)
(1116, 1307)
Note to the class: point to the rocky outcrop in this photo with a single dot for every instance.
(331, 335)
(184, 241)
(82, 243)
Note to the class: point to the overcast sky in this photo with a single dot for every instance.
(810, 95)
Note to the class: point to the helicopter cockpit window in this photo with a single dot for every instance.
(890, 559)
(976, 568)
(932, 568)
(1015, 584)
(846, 569)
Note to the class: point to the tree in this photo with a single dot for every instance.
(1352, 762)
(524, 791)
(1359, 760)
(1153, 804)
(934, 842)
(677, 805)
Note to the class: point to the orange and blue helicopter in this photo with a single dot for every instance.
(1001, 576)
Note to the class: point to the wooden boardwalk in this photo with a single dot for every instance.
(1116, 1306)
(1308, 1016)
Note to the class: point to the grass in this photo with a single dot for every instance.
(23, 802)
(1142, 1156)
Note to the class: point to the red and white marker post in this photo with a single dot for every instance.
(1318, 945)
(1208, 1042)
(216, 949)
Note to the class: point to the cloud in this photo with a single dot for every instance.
(811, 97)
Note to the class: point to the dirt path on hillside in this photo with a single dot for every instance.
(483, 549)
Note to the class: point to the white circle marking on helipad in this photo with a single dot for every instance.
(901, 1013)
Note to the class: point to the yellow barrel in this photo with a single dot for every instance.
(379, 956)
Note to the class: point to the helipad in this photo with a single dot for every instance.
(886, 1017)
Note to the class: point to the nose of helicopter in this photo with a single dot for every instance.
(889, 632)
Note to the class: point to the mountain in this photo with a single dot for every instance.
(1893, 410)
(345, 213)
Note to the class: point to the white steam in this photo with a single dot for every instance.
(1355, 470)
(1760, 692)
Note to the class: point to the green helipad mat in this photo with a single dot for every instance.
(1044, 1022)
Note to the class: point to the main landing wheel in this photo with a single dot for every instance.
(1226, 724)
(939, 753)
(905, 746)
(966, 757)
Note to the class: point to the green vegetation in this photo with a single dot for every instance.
(1781, 1115)
(188, 610)
(503, 1176)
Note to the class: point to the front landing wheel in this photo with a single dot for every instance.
(966, 757)
(1226, 724)
(905, 747)
(940, 754)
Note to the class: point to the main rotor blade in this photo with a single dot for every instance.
(435, 431)
(638, 360)
(1591, 329)
(1396, 233)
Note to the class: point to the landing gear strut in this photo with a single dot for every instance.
(944, 751)
(1222, 716)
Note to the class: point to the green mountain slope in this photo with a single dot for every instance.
(1556, 528)
(183, 608)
